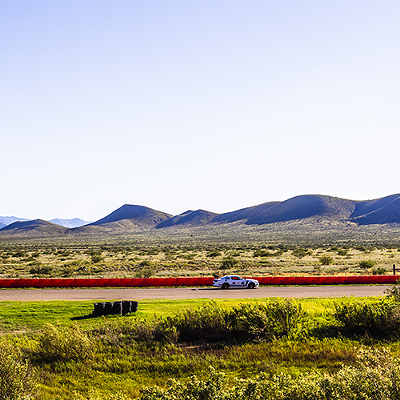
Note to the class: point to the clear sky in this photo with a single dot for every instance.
(181, 105)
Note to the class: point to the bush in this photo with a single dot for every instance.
(326, 260)
(262, 253)
(15, 375)
(96, 258)
(214, 253)
(228, 263)
(206, 322)
(381, 317)
(365, 264)
(300, 253)
(64, 344)
(41, 270)
(262, 321)
(378, 271)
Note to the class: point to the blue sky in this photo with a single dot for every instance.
(181, 105)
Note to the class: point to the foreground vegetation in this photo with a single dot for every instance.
(253, 349)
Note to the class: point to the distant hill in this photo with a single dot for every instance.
(317, 212)
(126, 218)
(36, 227)
(303, 207)
(189, 218)
(69, 223)
(4, 221)
(244, 214)
(381, 211)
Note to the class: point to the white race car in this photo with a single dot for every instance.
(235, 281)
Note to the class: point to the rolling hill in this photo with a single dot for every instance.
(33, 228)
(303, 207)
(317, 212)
(381, 211)
(126, 218)
(189, 218)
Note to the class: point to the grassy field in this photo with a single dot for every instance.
(116, 354)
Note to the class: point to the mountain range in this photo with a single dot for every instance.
(67, 223)
(309, 209)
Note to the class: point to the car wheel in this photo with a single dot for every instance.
(251, 285)
(225, 286)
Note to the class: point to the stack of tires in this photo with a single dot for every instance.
(116, 307)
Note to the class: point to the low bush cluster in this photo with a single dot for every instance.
(213, 323)
(64, 344)
(375, 377)
(375, 318)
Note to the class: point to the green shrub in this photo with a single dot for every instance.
(251, 321)
(228, 263)
(300, 253)
(326, 260)
(378, 271)
(365, 264)
(262, 253)
(214, 253)
(41, 270)
(380, 317)
(206, 322)
(96, 258)
(15, 375)
(64, 344)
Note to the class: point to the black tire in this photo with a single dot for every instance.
(225, 286)
(117, 307)
(134, 306)
(126, 307)
(108, 308)
(98, 309)
(251, 285)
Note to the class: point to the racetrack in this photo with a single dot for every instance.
(189, 293)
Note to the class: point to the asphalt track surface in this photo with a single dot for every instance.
(189, 293)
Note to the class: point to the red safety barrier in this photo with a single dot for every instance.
(201, 281)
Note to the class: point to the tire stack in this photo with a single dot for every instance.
(115, 308)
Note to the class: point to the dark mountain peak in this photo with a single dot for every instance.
(141, 215)
(189, 218)
(385, 210)
(305, 206)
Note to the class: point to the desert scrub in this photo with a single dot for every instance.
(266, 321)
(376, 318)
(375, 376)
(57, 344)
(214, 323)
(16, 381)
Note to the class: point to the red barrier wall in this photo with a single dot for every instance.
(160, 282)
